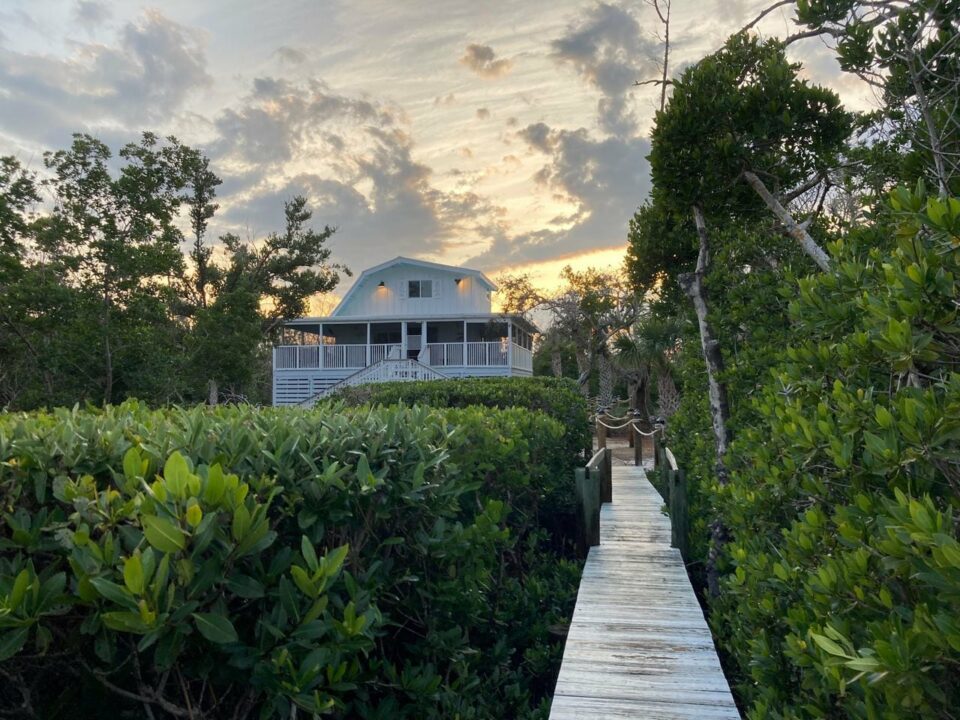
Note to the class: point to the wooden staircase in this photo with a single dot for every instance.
(389, 370)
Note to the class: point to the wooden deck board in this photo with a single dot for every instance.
(638, 645)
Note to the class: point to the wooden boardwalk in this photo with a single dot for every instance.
(638, 645)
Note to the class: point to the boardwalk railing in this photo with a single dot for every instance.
(594, 486)
(674, 483)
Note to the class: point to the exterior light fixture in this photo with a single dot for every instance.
(381, 284)
(457, 280)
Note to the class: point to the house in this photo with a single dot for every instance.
(402, 320)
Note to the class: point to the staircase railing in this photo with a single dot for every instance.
(390, 370)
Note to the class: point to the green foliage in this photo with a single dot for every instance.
(557, 397)
(908, 51)
(97, 301)
(742, 108)
(356, 563)
(842, 575)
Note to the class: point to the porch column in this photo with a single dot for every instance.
(403, 339)
(464, 363)
(321, 347)
(510, 346)
(423, 341)
(368, 345)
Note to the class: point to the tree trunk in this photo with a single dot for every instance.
(666, 56)
(213, 395)
(794, 229)
(584, 365)
(107, 352)
(606, 381)
(692, 285)
(668, 399)
(556, 363)
(936, 147)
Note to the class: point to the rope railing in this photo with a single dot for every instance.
(605, 423)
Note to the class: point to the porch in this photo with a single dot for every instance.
(443, 344)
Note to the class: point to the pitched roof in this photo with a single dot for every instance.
(400, 260)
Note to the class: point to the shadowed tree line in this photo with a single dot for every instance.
(110, 286)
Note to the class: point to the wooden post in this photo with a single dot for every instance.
(678, 510)
(606, 489)
(657, 459)
(588, 511)
(601, 431)
(637, 444)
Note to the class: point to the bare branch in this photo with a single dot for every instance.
(798, 233)
(763, 14)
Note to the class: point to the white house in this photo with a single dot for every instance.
(405, 319)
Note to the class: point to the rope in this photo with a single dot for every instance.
(613, 427)
(631, 422)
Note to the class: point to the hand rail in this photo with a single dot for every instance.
(676, 495)
(594, 486)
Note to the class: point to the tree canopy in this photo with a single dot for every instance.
(100, 301)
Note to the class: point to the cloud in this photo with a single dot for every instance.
(91, 13)
(446, 100)
(483, 114)
(141, 80)
(362, 175)
(608, 49)
(290, 55)
(279, 118)
(482, 60)
(604, 180)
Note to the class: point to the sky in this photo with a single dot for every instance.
(503, 136)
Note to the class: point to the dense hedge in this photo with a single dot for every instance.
(370, 563)
(557, 397)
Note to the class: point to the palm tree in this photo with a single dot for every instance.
(645, 352)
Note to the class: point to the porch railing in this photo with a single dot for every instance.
(522, 358)
(443, 354)
(349, 356)
(486, 354)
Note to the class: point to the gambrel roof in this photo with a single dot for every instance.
(400, 260)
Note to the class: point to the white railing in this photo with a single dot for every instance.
(298, 357)
(522, 358)
(340, 357)
(384, 371)
(441, 354)
(487, 354)
(344, 356)
(384, 352)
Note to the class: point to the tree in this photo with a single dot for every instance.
(254, 289)
(111, 245)
(910, 52)
(589, 309)
(203, 185)
(97, 299)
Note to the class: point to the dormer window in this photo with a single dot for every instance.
(420, 289)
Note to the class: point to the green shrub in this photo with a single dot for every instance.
(557, 397)
(843, 561)
(367, 563)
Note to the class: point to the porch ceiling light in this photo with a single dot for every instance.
(381, 284)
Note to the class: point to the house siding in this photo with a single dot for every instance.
(470, 296)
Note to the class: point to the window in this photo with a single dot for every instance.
(420, 289)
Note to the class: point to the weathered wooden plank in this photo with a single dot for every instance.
(638, 644)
